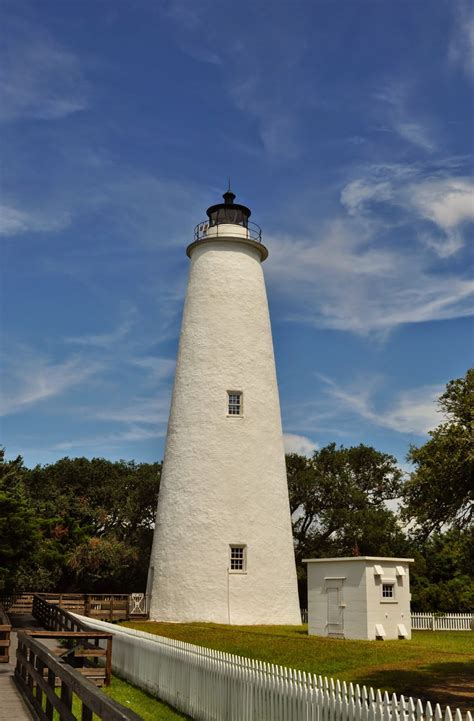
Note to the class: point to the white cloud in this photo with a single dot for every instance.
(38, 78)
(110, 440)
(358, 193)
(142, 410)
(461, 46)
(14, 221)
(159, 368)
(416, 134)
(302, 445)
(30, 379)
(400, 119)
(411, 411)
(341, 279)
(263, 78)
(446, 202)
(106, 340)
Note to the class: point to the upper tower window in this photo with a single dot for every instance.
(234, 403)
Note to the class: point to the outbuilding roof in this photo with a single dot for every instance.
(373, 559)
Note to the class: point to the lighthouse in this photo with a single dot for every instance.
(222, 548)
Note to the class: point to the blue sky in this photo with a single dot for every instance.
(346, 126)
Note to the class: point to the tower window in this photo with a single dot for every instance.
(238, 558)
(234, 403)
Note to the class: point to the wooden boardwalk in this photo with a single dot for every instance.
(12, 705)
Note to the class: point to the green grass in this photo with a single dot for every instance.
(436, 666)
(149, 708)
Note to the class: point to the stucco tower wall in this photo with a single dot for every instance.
(224, 477)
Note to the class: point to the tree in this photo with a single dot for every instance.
(441, 579)
(19, 535)
(97, 522)
(440, 491)
(337, 500)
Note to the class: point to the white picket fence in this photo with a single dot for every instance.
(215, 686)
(431, 621)
(444, 622)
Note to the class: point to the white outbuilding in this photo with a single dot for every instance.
(359, 597)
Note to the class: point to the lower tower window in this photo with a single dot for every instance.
(238, 558)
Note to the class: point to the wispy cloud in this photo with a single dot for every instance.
(141, 410)
(340, 278)
(29, 379)
(15, 221)
(461, 46)
(159, 368)
(446, 201)
(107, 441)
(38, 78)
(106, 340)
(398, 117)
(266, 89)
(302, 445)
(411, 411)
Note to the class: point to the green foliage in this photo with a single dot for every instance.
(19, 535)
(442, 578)
(337, 499)
(440, 492)
(77, 525)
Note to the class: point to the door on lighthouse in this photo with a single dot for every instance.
(335, 620)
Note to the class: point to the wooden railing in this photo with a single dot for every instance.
(17, 603)
(39, 671)
(53, 617)
(104, 606)
(5, 630)
(82, 644)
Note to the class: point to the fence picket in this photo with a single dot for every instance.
(442, 621)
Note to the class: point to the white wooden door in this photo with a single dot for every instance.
(335, 624)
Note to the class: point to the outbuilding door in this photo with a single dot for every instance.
(335, 619)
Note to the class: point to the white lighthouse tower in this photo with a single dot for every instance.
(223, 549)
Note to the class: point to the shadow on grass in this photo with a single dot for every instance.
(449, 684)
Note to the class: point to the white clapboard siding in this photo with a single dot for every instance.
(216, 686)
(442, 622)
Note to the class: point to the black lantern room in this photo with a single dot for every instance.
(228, 212)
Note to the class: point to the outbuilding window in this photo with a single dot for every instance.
(238, 558)
(388, 591)
(234, 403)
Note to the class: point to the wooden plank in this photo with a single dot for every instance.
(86, 653)
(68, 634)
(97, 671)
(86, 714)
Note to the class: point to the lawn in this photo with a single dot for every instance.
(436, 666)
(149, 708)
